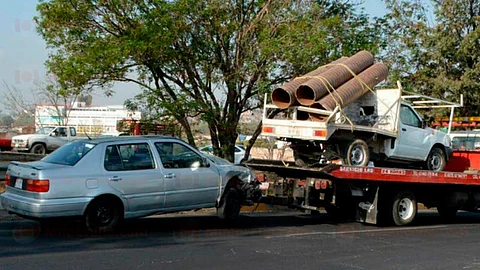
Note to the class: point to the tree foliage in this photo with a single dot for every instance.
(437, 51)
(209, 60)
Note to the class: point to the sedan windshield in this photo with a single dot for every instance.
(45, 130)
(70, 153)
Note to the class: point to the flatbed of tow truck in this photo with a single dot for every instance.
(368, 194)
(332, 171)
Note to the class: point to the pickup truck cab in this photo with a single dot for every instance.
(45, 140)
(382, 126)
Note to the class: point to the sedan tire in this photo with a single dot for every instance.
(102, 216)
(230, 205)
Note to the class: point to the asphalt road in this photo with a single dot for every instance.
(261, 241)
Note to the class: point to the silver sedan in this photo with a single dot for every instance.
(110, 179)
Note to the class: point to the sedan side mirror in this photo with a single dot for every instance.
(205, 162)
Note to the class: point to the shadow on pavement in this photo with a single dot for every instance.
(29, 237)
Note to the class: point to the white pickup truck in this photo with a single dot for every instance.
(46, 139)
(381, 126)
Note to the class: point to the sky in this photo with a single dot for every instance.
(23, 51)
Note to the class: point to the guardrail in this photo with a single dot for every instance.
(16, 156)
(6, 157)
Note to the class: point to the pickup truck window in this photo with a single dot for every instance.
(409, 118)
(73, 132)
(61, 131)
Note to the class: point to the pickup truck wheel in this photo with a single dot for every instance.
(38, 148)
(436, 160)
(230, 205)
(358, 153)
(404, 208)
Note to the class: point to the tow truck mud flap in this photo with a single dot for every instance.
(367, 209)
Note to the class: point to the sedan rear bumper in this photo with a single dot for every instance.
(45, 208)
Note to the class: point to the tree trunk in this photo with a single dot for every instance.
(227, 143)
(188, 132)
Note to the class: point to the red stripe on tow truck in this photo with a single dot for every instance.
(405, 175)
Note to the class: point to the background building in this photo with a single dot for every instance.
(87, 119)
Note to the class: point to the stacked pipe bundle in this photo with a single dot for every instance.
(284, 96)
(351, 90)
(338, 83)
(314, 89)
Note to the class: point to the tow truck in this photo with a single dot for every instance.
(368, 192)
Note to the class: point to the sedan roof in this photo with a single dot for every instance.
(127, 138)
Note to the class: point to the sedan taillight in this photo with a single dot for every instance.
(38, 185)
(7, 180)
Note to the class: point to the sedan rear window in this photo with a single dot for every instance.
(70, 153)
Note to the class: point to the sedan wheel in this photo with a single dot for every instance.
(102, 216)
(231, 205)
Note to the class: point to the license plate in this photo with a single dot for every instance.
(292, 131)
(19, 183)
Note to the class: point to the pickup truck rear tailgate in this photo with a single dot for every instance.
(307, 130)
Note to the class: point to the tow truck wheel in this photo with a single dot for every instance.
(404, 208)
(436, 160)
(358, 153)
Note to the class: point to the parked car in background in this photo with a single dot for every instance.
(45, 140)
(466, 140)
(106, 180)
(239, 152)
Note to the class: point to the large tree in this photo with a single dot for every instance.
(436, 48)
(212, 59)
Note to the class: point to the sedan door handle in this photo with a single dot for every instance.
(404, 129)
(170, 175)
(114, 178)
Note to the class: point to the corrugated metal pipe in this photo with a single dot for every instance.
(351, 90)
(314, 89)
(284, 96)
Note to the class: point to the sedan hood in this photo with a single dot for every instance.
(242, 172)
